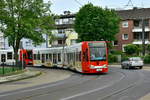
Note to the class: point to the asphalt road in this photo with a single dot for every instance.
(118, 84)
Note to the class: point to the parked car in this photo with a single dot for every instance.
(132, 62)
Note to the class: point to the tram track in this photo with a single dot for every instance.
(121, 91)
(76, 85)
(111, 86)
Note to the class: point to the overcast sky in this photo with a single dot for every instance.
(59, 6)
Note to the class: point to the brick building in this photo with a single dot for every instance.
(131, 27)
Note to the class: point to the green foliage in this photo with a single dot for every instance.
(148, 48)
(94, 23)
(132, 49)
(124, 57)
(116, 52)
(8, 70)
(112, 58)
(25, 19)
(147, 59)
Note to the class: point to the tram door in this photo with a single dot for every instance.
(43, 58)
(85, 60)
(3, 57)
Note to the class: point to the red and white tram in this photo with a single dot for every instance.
(84, 57)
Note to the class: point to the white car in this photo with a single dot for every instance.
(132, 63)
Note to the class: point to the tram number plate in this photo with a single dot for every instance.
(98, 69)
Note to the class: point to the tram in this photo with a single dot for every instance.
(84, 57)
(7, 57)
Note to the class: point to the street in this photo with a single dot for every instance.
(117, 84)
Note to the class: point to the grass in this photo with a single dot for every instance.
(8, 70)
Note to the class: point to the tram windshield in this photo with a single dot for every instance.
(97, 51)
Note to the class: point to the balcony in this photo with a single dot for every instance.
(139, 29)
(140, 41)
(60, 36)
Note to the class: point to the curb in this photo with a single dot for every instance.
(18, 77)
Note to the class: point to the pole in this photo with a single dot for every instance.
(22, 60)
(143, 36)
(64, 39)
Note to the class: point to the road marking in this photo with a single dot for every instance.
(88, 92)
(29, 90)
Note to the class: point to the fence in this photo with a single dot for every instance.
(8, 68)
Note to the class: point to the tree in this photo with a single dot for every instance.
(131, 49)
(25, 19)
(95, 23)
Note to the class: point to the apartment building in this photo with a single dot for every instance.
(131, 27)
(64, 31)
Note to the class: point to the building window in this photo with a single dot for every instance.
(138, 36)
(60, 41)
(57, 22)
(60, 31)
(28, 43)
(125, 24)
(125, 36)
(9, 55)
(115, 43)
(65, 21)
(138, 23)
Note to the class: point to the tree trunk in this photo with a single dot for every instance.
(16, 57)
(16, 49)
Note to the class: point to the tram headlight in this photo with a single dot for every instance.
(105, 66)
(92, 66)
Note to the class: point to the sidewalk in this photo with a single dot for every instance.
(24, 75)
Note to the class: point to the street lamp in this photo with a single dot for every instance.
(143, 36)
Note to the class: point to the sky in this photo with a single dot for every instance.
(59, 6)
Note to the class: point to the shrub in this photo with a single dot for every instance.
(147, 59)
(148, 48)
(131, 49)
(124, 57)
(112, 58)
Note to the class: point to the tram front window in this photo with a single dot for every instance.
(97, 51)
(97, 54)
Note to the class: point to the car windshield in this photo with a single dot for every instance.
(97, 53)
(135, 59)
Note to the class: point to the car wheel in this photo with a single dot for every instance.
(141, 67)
(122, 66)
(128, 66)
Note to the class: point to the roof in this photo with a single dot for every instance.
(135, 13)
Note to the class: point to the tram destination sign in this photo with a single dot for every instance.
(97, 44)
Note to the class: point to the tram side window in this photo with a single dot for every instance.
(54, 58)
(35, 57)
(9, 55)
(46, 56)
(50, 57)
(80, 56)
(38, 56)
(59, 57)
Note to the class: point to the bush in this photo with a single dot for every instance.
(112, 58)
(116, 52)
(148, 48)
(147, 59)
(132, 49)
(124, 57)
